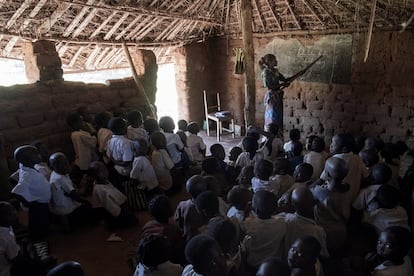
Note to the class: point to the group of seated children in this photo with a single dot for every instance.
(280, 218)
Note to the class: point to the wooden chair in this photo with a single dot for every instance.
(212, 112)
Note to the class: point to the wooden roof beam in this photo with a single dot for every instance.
(62, 50)
(100, 57)
(167, 29)
(107, 57)
(116, 26)
(84, 23)
(314, 13)
(78, 18)
(127, 28)
(50, 21)
(182, 26)
(18, 13)
(322, 6)
(260, 16)
(10, 45)
(92, 57)
(99, 29)
(378, 15)
(148, 11)
(293, 15)
(274, 15)
(139, 27)
(33, 13)
(76, 55)
(111, 57)
(148, 29)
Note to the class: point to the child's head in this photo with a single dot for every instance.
(281, 166)
(205, 255)
(273, 128)
(304, 253)
(59, 163)
(183, 137)
(182, 125)
(217, 150)
(394, 243)
(303, 172)
(158, 140)
(85, 113)
(27, 155)
(387, 197)
(239, 198)
(117, 125)
(342, 143)
(160, 208)
(302, 200)
(98, 171)
(151, 125)
(207, 205)
(74, 121)
(42, 149)
(381, 174)
(153, 250)
(369, 157)
(135, 118)
(210, 165)
(294, 134)
(225, 233)
(234, 153)
(70, 268)
(193, 128)
(336, 168)
(273, 267)
(166, 123)
(102, 119)
(245, 176)
(8, 214)
(268, 61)
(250, 144)
(309, 140)
(264, 204)
(264, 170)
(297, 148)
(318, 144)
(252, 132)
(214, 185)
(195, 185)
(372, 143)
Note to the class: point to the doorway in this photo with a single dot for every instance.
(166, 99)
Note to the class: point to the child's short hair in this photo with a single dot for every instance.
(224, 232)
(70, 268)
(74, 120)
(59, 162)
(311, 247)
(381, 173)
(369, 157)
(117, 125)
(274, 266)
(153, 250)
(294, 134)
(246, 175)
(8, 214)
(160, 208)
(309, 140)
(151, 125)
(182, 125)
(210, 165)
(207, 204)
(318, 144)
(250, 144)
(273, 128)
(235, 152)
(183, 137)
(217, 150)
(239, 197)
(336, 167)
(166, 123)
(97, 169)
(264, 170)
(303, 172)
(197, 249)
(195, 185)
(297, 148)
(403, 239)
(135, 117)
(281, 166)
(27, 155)
(302, 200)
(346, 142)
(387, 197)
(214, 185)
(193, 128)
(158, 140)
(102, 119)
(264, 203)
(252, 132)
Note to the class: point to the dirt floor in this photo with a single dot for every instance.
(89, 247)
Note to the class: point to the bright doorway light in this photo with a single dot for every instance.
(166, 96)
(12, 72)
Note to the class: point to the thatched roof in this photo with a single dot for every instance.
(89, 33)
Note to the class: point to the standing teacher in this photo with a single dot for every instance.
(274, 81)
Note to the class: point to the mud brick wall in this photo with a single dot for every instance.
(378, 100)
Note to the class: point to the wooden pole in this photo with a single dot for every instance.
(371, 26)
(247, 33)
(138, 83)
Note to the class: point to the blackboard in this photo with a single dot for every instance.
(292, 56)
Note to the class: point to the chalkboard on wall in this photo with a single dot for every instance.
(293, 56)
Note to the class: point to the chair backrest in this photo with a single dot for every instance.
(211, 104)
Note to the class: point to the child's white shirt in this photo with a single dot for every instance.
(61, 203)
(244, 160)
(383, 218)
(404, 269)
(317, 160)
(366, 199)
(32, 185)
(121, 148)
(288, 146)
(271, 185)
(108, 197)
(284, 181)
(196, 145)
(84, 145)
(277, 147)
(136, 133)
(165, 269)
(174, 146)
(234, 212)
(144, 172)
(9, 249)
(189, 271)
(162, 163)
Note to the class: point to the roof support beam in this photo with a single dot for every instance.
(293, 15)
(75, 22)
(99, 29)
(127, 28)
(18, 13)
(327, 12)
(10, 45)
(116, 26)
(84, 23)
(138, 27)
(260, 15)
(378, 15)
(76, 55)
(92, 57)
(314, 12)
(33, 13)
(50, 21)
(274, 15)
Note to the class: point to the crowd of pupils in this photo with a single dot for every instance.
(273, 209)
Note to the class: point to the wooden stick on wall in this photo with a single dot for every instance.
(371, 26)
(138, 83)
(247, 33)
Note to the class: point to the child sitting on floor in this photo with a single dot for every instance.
(273, 266)
(234, 154)
(154, 254)
(211, 167)
(115, 209)
(294, 136)
(135, 130)
(245, 177)
(303, 256)
(281, 175)
(239, 199)
(196, 143)
(182, 126)
(247, 157)
(296, 156)
(217, 187)
(174, 144)
(207, 206)
(151, 126)
(186, 215)
(161, 161)
(274, 145)
(264, 233)
(33, 190)
(316, 157)
(104, 134)
(9, 249)
(261, 181)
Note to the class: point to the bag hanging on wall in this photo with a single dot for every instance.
(136, 197)
(240, 66)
